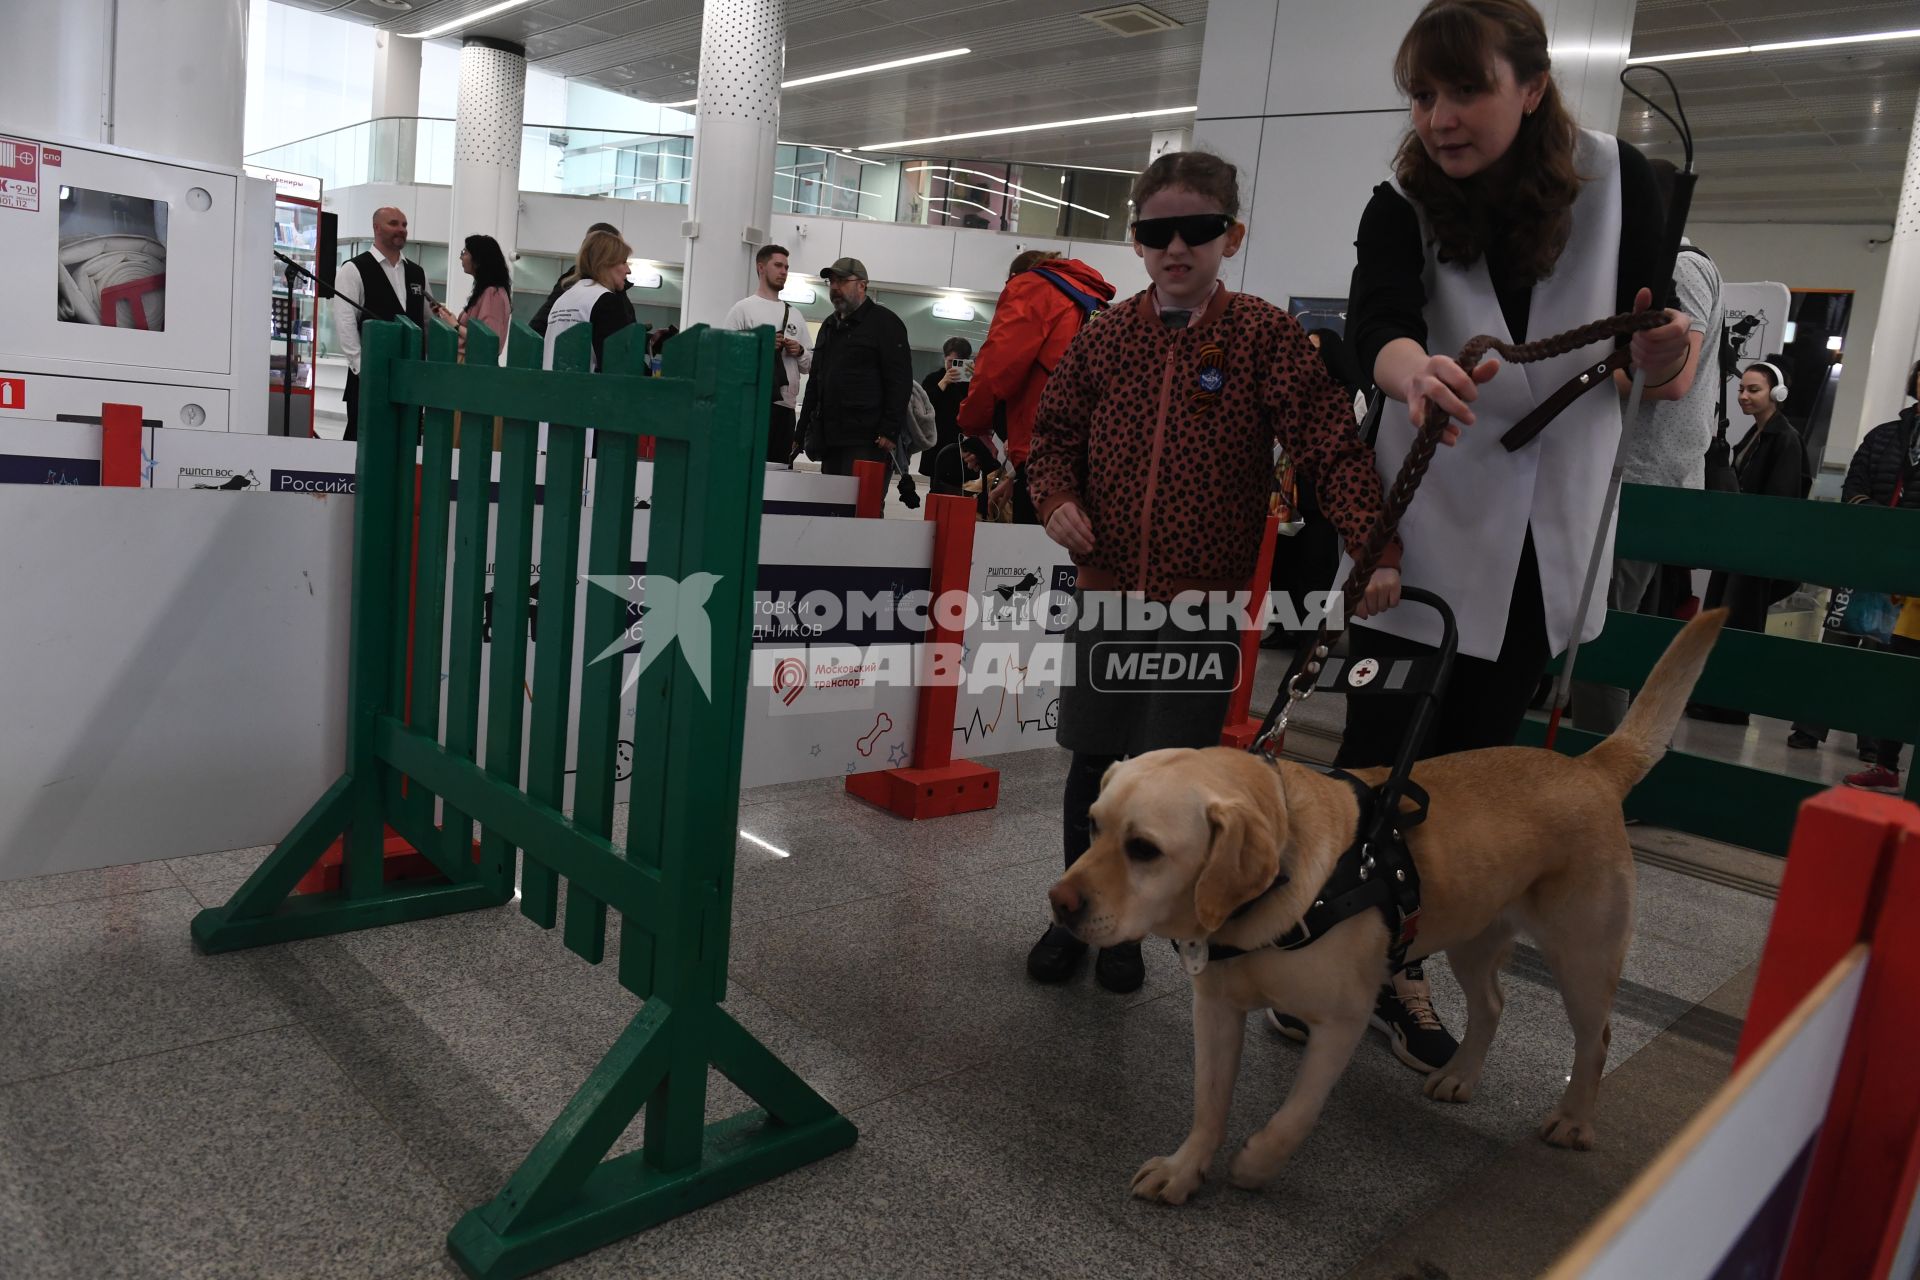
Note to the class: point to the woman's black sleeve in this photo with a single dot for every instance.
(611, 314)
(1387, 297)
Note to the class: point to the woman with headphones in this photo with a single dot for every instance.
(1770, 459)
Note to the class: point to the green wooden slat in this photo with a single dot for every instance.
(1874, 693)
(405, 804)
(376, 658)
(610, 553)
(626, 404)
(513, 558)
(469, 592)
(430, 596)
(583, 857)
(316, 915)
(1727, 802)
(1825, 543)
(553, 655)
(295, 855)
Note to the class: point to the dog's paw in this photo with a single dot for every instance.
(1165, 1179)
(1445, 1086)
(1562, 1130)
(1251, 1171)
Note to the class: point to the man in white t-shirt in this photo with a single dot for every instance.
(763, 306)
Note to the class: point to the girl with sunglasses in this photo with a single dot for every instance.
(1151, 462)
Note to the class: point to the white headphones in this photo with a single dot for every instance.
(1779, 381)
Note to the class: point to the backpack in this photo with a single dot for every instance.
(923, 429)
(1087, 302)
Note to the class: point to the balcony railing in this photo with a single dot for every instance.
(1034, 199)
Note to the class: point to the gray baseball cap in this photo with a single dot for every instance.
(845, 267)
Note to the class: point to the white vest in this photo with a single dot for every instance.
(1464, 530)
(573, 307)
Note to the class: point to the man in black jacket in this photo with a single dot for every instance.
(1885, 470)
(856, 401)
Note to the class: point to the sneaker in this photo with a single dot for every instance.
(1120, 969)
(1878, 778)
(1287, 1025)
(1055, 956)
(1412, 1028)
(1802, 741)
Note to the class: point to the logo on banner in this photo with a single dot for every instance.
(1011, 592)
(668, 610)
(310, 481)
(225, 479)
(789, 679)
(19, 175)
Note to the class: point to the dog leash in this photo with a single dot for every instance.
(1413, 469)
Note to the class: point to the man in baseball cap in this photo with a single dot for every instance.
(856, 403)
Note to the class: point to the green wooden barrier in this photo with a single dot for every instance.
(673, 881)
(1824, 543)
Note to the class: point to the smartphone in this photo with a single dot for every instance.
(963, 371)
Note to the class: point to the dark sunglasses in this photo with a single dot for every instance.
(1194, 228)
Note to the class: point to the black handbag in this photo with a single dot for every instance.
(1722, 476)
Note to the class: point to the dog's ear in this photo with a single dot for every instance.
(1242, 860)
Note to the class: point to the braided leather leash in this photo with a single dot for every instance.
(1400, 495)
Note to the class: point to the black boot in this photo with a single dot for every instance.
(1055, 957)
(1120, 968)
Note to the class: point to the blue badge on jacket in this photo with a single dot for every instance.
(1212, 379)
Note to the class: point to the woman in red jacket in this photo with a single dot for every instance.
(1046, 300)
(1152, 460)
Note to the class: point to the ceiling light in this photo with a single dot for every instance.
(1780, 46)
(1833, 343)
(868, 70)
(447, 28)
(941, 171)
(877, 66)
(1032, 128)
(953, 308)
(1792, 327)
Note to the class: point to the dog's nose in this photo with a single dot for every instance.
(1068, 905)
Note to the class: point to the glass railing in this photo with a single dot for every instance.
(1032, 199)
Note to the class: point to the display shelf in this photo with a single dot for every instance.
(293, 314)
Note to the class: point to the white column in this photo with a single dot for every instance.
(486, 153)
(168, 79)
(396, 97)
(1289, 89)
(1896, 332)
(737, 121)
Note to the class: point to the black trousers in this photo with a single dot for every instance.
(779, 434)
(1083, 788)
(353, 406)
(841, 457)
(1484, 702)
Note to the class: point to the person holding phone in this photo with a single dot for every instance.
(947, 387)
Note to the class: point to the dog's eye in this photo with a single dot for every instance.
(1142, 850)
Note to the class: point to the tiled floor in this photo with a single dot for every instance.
(330, 1108)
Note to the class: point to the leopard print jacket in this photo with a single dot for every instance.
(1165, 439)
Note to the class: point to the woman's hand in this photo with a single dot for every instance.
(1383, 592)
(1068, 526)
(1442, 384)
(1660, 352)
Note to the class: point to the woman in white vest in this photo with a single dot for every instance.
(1504, 217)
(597, 297)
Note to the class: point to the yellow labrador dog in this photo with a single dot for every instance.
(1517, 840)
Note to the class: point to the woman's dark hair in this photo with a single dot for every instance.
(1027, 261)
(1763, 371)
(1339, 359)
(1913, 376)
(1201, 172)
(957, 347)
(1455, 43)
(489, 268)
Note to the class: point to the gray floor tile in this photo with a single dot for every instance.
(230, 864)
(246, 1158)
(73, 886)
(101, 979)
